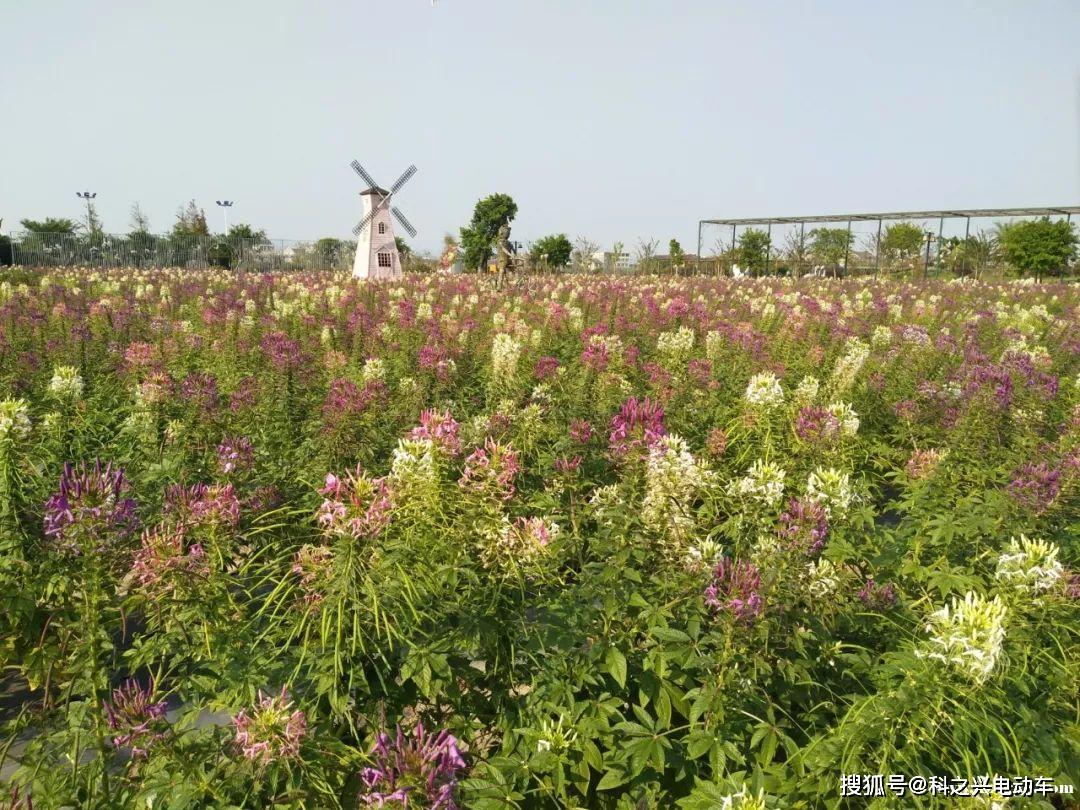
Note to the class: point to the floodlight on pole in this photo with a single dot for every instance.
(225, 206)
(88, 196)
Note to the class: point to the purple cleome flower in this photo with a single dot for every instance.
(413, 771)
(805, 525)
(270, 731)
(735, 588)
(135, 719)
(638, 424)
(235, 455)
(878, 598)
(441, 429)
(90, 507)
(1035, 486)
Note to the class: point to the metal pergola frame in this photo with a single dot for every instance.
(968, 214)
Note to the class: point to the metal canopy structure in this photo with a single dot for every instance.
(966, 214)
(974, 213)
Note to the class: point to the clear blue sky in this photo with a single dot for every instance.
(612, 119)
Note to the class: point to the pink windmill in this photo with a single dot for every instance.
(376, 249)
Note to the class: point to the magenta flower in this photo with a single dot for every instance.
(878, 598)
(413, 771)
(283, 351)
(546, 367)
(735, 589)
(1035, 486)
(441, 429)
(580, 431)
(90, 509)
(235, 455)
(805, 525)
(491, 470)
(816, 425)
(356, 506)
(135, 719)
(637, 425)
(270, 731)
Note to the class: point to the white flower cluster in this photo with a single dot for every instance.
(967, 635)
(1029, 565)
(763, 482)
(505, 352)
(714, 346)
(807, 390)
(14, 420)
(414, 476)
(705, 553)
(832, 489)
(742, 800)
(676, 346)
(374, 369)
(847, 368)
(66, 383)
(823, 578)
(764, 391)
(672, 478)
(882, 336)
(846, 416)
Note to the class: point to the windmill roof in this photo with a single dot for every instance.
(382, 192)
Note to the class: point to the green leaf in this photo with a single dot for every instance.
(615, 663)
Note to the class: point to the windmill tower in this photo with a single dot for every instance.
(376, 250)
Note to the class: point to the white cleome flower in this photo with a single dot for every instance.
(823, 578)
(846, 416)
(832, 489)
(505, 352)
(967, 635)
(807, 390)
(14, 420)
(1029, 566)
(672, 478)
(847, 368)
(66, 383)
(763, 482)
(764, 391)
(675, 347)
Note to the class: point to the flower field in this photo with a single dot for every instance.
(298, 541)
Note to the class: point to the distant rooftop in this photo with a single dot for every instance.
(382, 192)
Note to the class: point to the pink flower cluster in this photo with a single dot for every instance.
(441, 429)
(210, 505)
(135, 719)
(356, 505)
(420, 770)
(490, 470)
(166, 558)
(877, 597)
(310, 564)
(638, 425)
(735, 588)
(805, 525)
(270, 731)
(235, 455)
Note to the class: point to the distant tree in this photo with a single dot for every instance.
(140, 222)
(969, 255)
(552, 251)
(490, 214)
(190, 221)
(617, 251)
(92, 222)
(675, 253)
(645, 253)
(50, 225)
(753, 252)
(830, 246)
(328, 250)
(247, 232)
(1038, 247)
(795, 250)
(583, 256)
(6, 254)
(902, 242)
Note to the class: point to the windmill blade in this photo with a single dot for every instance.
(364, 222)
(400, 217)
(360, 170)
(409, 172)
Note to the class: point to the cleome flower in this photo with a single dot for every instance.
(832, 489)
(134, 718)
(14, 420)
(356, 506)
(165, 561)
(672, 479)
(270, 732)
(763, 483)
(90, 508)
(490, 470)
(505, 352)
(66, 383)
(418, 770)
(735, 588)
(514, 545)
(441, 429)
(1029, 566)
(967, 635)
(764, 391)
(638, 424)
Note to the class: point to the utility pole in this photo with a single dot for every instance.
(88, 196)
